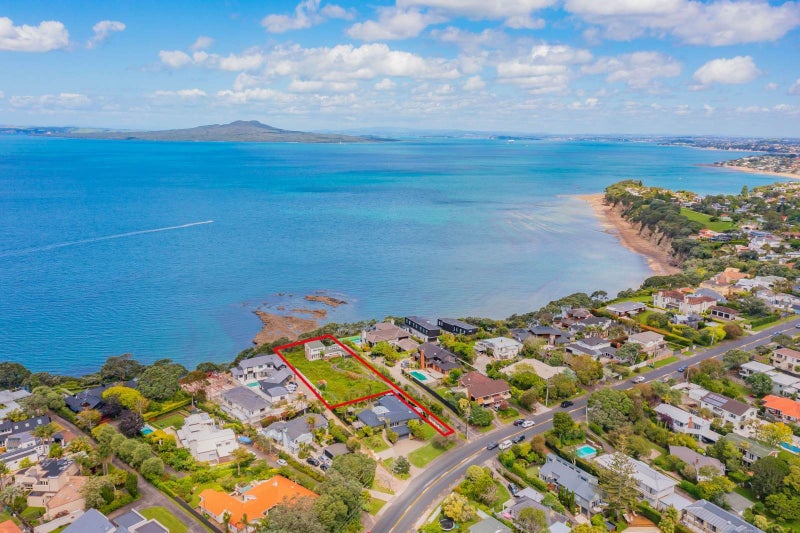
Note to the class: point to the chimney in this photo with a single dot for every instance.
(422, 359)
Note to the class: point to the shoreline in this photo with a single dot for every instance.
(749, 170)
(658, 260)
(294, 320)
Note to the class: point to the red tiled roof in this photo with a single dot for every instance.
(480, 386)
(786, 406)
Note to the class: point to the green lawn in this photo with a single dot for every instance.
(338, 379)
(374, 505)
(376, 443)
(174, 420)
(389, 464)
(718, 226)
(422, 456)
(380, 487)
(32, 513)
(166, 518)
(663, 362)
(195, 500)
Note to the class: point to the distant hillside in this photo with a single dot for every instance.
(239, 131)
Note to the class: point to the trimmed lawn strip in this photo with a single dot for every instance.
(719, 225)
(664, 362)
(166, 518)
(373, 506)
(422, 456)
(175, 420)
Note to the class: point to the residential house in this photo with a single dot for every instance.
(389, 411)
(486, 391)
(687, 304)
(782, 409)
(87, 399)
(754, 367)
(711, 294)
(652, 485)
(422, 328)
(277, 385)
(334, 450)
(386, 332)
(626, 308)
(434, 357)
(292, 434)
(786, 359)
(723, 282)
(529, 498)
(489, 525)
(759, 282)
(14, 459)
(135, 522)
(596, 323)
(244, 404)
(205, 441)
(499, 347)
(784, 384)
(257, 368)
(750, 449)
(650, 341)
(558, 474)
(681, 421)
(553, 336)
(697, 460)
(729, 410)
(704, 517)
(316, 350)
(54, 485)
(8, 401)
(593, 346)
(456, 327)
(9, 428)
(253, 502)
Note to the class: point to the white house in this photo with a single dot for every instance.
(499, 347)
(786, 359)
(8, 401)
(205, 441)
(650, 341)
(258, 368)
(244, 404)
(681, 421)
(754, 367)
(316, 350)
(652, 485)
(784, 384)
(729, 410)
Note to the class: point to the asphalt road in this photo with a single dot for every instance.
(425, 490)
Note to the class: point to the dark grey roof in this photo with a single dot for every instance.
(54, 467)
(595, 321)
(547, 330)
(726, 404)
(422, 321)
(278, 376)
(273, 390)
(336, 449)
(626, 307)
(152, 527)
(299, 426)
(569, 476)
(489, 525)
(19, 453)
(131, 518)
(8, 428)
(436, 354)
(245, 398)
(87, 399)
(722, 520)
(593, 341)
(262, 360)
(387, 408)
(520, 334)
(456, 322)
(92, 521)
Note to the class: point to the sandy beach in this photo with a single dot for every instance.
(657, 259)
(755, 171)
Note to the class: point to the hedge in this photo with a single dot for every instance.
(307, 470)
(168, 408)
(690, 487)
(764, 320)
(649, 513)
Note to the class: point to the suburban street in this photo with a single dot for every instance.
(405, 512)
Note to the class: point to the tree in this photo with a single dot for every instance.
(391, 435)
(529, 398)
(480, 416)
(787, 507)
(715, 488)
(760, 384)
(130, 423)
(457, 507)
(79, 444)
(88, 419)
(610, 408)
(120, 368)
(401, 466)
(241, 457)
(732, 331)
(356, 466)
(638, 446)
(768, 475)
(111, 407)
(618, 482)
(563, 425)
(45, 431)
(297, 515)
(132, 484)
(773, 434)
(340, 499)
(152, 468)
(93, 490)
(750, 305)
(586, 369)
(41, 399)
(13, 375)
(735, 358)
(129, 398)
(4, 472)
(160, 381)
(629, 352)
(532, 520)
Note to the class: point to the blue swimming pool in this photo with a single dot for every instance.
(145, 431)
(419, 375)
(790, 447)
(585, 451)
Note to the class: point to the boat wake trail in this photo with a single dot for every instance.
(26, 251)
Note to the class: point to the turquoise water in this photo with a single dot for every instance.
(419, 375)
(790, 447)
(437, 228)
(585, 451)
(145, 431)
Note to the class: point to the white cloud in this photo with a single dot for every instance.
(474, 83)
(393, 24)
(638, 70)
(546, 69)
(469, 40)
(715, 23)
(253, 95)
(233, 62)
(48, 35)
(187, 94)
(589, 103)
(516, 13)
(102, 30)
(385, 85)
(736, 70)
(317, 86)
(51, 101)
(174, 58)
(306, 15)
(202, 43)
(249, 60)
(795, 88)
(2, 95)
(771, 86)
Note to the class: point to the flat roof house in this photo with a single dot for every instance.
(422, 328)
(291, 434)
(437, 358)
(205, 441)
(652, 485)
(244, 404)
(563, 474)
(456, 327)
(486, 391)
(754, 367)
(316, 350)
(626, 308)
(499, 347)
(8, 401)
(704, 517)
(389, 410)
(728, 409)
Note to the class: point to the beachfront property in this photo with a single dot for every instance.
(292, 434)
(750, 449)
(9, 428)
(422, 328)
(499, 347)
(686, 304)
(650, 342)
(486, 391)
(391, 411)
(316, 350)
(388, 332)
(652, 485)
(93, 521)
(8, 401)
(723, 313)
(681, 421)
(205, 441)
(456, 327)
(434, 357)
(622, 309)
(255, 369)
(729, 410)
(786, 359)
(698, 461)
(703, 516)
(553, 336)
(244, 404)
(782, 409)
(252, 502)
(558, 474)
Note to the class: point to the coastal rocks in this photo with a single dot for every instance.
(290, 325)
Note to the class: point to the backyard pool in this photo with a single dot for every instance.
(585, 451)
(419, 375)
(146, 431)
(790, 447)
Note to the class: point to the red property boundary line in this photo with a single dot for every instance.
(425, 414)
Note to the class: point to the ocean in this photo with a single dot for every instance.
(163, 250)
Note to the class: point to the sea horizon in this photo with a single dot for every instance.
(166, 249)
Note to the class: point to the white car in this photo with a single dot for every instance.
(506, 444)
(638, 379)
(528, 424)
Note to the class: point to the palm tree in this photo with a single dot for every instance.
(45, 432)
(226, 521)
(4, 471)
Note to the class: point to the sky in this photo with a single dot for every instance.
(716, 67)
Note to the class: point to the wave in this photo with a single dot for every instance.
(26, 251)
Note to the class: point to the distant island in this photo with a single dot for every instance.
(238, 131)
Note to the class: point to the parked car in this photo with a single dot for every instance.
(681, 369)
(519, 421)
(492, 445)
(567, 403)
(312, 461)
(324, 466)
(528, 424)
(282, 462)
(506, 444)
(518, 439)
(638, 379)
(513, 489)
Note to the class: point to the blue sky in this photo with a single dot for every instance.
(550, 66)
